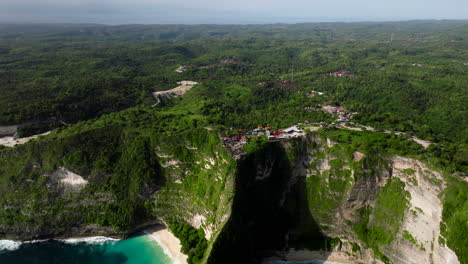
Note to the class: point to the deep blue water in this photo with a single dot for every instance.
(137, 250)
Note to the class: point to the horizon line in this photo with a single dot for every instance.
(237, 24)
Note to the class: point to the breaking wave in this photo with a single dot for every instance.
(89, 240)
(9, 245)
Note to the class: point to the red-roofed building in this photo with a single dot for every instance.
(244, 139)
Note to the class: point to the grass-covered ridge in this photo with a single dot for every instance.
(455, 217)
(122, 158)
(144, 164)
(387, 215)
(106, 157)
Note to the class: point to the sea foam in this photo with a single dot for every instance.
(9, 245)
(163, 246)
(89, 240)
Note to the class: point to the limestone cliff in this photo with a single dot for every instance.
(335, 203)
(308, 197)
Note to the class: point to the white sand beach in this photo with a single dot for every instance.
(170, 244)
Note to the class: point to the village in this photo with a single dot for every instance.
(341, 73)
(235, 143)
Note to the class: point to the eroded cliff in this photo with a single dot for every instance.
(327, 195)
(313, 198)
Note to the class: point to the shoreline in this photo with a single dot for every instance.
(12, 245)
(170, 244)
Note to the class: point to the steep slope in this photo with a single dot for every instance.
(358, 197)
(330, 201)
(114, 176)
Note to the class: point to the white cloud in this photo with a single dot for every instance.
(311, 10)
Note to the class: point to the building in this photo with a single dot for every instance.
(313, 93)
(341, 111)
(341, 73)
(244, 140)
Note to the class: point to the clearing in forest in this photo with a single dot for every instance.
(184, 86)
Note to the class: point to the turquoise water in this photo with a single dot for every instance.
(141, 249)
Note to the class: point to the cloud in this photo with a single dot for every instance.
(238, 11)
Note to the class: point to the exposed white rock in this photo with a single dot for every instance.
(184, 86)
(421, 142)
(64, 180)
(13, 141)
(197, 220)
(170, 163)
(324, 164)
(330, 143)
(212, 161)
(358, 156)
(423, 219)
(163, 155)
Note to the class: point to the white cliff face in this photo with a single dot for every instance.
(422, 220)
(199, 221)
(66, 181)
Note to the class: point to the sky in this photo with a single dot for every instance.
(227, 11)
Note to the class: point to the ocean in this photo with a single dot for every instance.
(141, 249)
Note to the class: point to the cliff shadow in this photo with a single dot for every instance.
(270, 212)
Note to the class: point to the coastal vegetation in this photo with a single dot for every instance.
(391, 203)
(193, 241)
(455, 215)
(142, 161)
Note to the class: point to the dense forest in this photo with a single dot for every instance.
(409, 76)
(92, 86)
